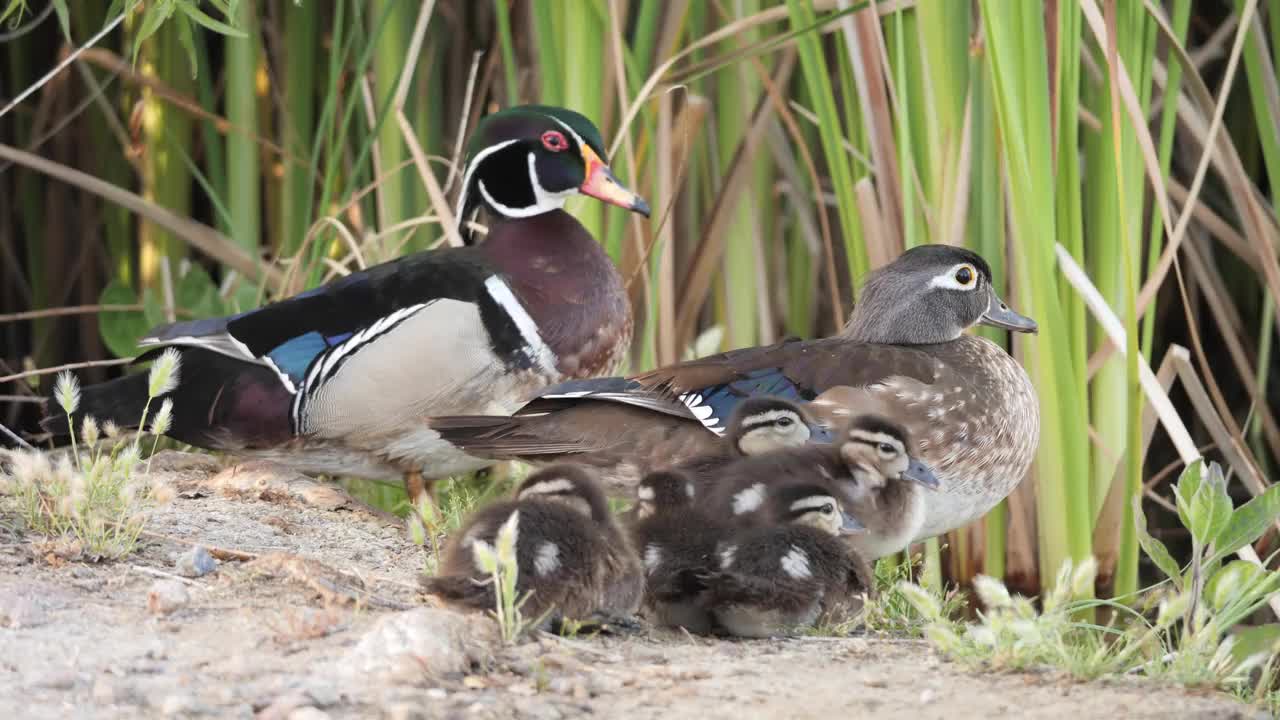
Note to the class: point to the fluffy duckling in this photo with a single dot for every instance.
(777, 579)
(758, 425)
(573, 558)
(872, 451)
(888, 496)
(677, 542)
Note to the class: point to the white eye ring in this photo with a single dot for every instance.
(948, 281)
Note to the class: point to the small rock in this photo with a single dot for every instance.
(174, 705)
(166, 596)
(308, 713)
(59, 680)
(111, 691)
(408, 646)
(927, 696)
(20, 611)
(323, 694)
(404, 711)
(437, 693)
(539, 711)
(196, 562)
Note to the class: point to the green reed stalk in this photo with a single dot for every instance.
(302, 40)
(392, 41)
(244, 172)
(839, 166)
(1018, 53)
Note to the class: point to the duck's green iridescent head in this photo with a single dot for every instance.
(527, 160)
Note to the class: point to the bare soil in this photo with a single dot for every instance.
(321, 618)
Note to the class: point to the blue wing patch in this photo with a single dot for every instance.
(293, 357)
(714, 405)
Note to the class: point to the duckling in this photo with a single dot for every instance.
(887, 496)
(574, 560)
(757, 426)
(777, 579)
(677, 542)
(873, 451)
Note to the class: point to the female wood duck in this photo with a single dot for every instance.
(777, 579)
(969, 407)
(574, 561)
(328, 381)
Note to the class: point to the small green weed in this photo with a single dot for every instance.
(91, 501)
(892, 611)
(499, 561)
(1191, 639)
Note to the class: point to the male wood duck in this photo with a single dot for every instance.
(968, 406)
(328, 381)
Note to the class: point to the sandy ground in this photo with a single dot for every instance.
(324, 621)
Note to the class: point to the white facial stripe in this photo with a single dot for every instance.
(947, 279)
(545, 200)
(796, 564)
(537, 349)
(749, 499)
(576, 136)
(548, 487)
(813, 502)
(875, 438)
(768, 417)
(547, 559)
(471, 170)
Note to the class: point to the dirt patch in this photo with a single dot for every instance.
(327, 622)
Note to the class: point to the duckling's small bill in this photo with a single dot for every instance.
(849, 525)
(919, 472)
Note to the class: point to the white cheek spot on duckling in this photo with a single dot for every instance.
(645, 493)
(652, 556)
(726, 556)
(688, 489)
(749, 499)
(796, 564)
(547, 559)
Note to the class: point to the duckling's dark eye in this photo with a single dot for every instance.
(828, 509)
(886, 448)
(964, 275)
(785, 422)
(554, 141)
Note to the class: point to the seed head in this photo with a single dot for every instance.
(89, 431)
(164, 373)
(67, 392)
(163, 419)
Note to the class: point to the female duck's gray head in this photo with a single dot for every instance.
(528, 160)
(930, 294)
(764, 424)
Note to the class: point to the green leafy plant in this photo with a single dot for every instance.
(892, 610)
(1189, 642)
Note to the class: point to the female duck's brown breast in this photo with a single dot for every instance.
(570, 288)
